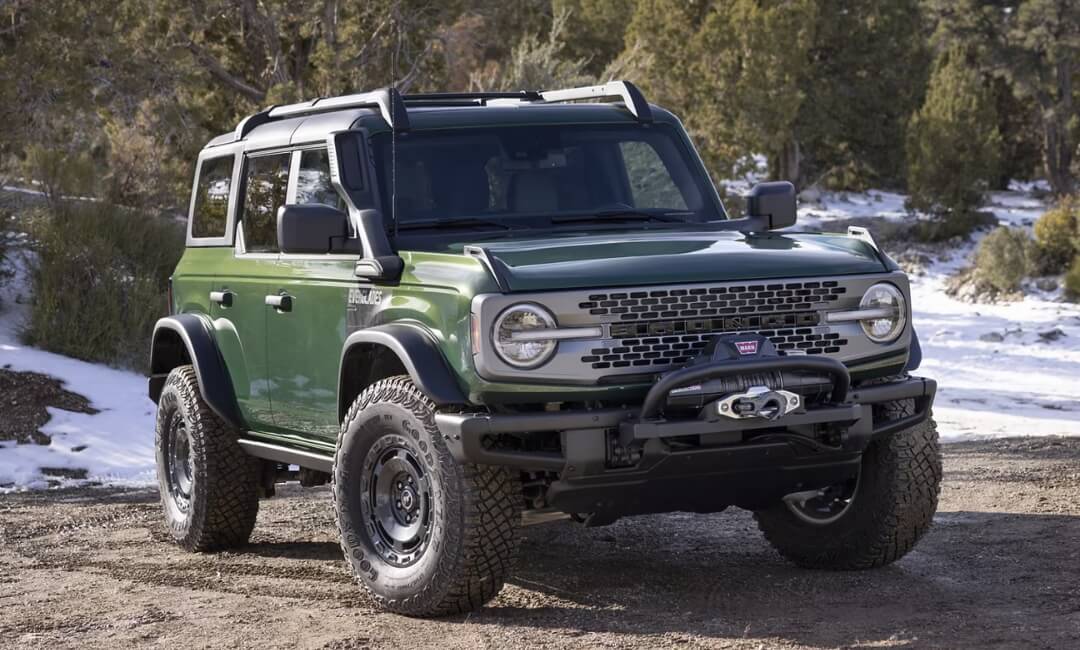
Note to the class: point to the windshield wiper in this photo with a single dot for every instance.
(622, 215)
(461, 222)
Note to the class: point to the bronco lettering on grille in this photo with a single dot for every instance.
(723, 324)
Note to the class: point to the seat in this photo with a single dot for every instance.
(533, 191)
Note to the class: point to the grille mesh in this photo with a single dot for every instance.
(712, 301)
(667, 327)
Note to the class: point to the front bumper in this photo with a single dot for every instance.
(749, 463)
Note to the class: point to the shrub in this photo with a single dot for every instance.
(959, 224)
(60, 172)
(1072, 281)
(100, 281)
(1001, 258)
(1057, 235)
(953, 145)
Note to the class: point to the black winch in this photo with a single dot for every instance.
(753, 394)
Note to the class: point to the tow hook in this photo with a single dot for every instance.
(758, 402)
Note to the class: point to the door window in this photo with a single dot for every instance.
(265, 185)
(313, 180)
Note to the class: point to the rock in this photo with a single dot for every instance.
(1050, 336)
(1046, 284)
(992, 337)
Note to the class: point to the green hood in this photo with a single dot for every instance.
(658, 257)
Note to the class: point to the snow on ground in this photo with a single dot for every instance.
(117, 444)
(996, 375)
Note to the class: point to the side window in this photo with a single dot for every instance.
(650, 181)
(265, 182)
(313, 182)
(212, 197)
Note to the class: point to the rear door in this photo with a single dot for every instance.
(240, 308)
(306, 342)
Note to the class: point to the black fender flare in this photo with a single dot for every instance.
(418, 352)
(195, 334)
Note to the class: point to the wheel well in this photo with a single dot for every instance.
(168, 352)
(363, 365)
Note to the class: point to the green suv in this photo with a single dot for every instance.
(470, 312)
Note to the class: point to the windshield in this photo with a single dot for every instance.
(540, 176)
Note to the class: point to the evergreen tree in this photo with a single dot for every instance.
(1035, 46)
(595, 30)
(953, 140)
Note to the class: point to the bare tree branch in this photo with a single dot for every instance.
(218, 71)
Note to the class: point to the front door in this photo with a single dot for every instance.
(240, 308)
(306, 341)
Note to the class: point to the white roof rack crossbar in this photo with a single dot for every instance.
(628, 92)
(387, 100)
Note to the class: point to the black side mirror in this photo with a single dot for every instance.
(310, 228)
(773, 203)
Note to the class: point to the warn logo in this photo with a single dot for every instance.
(746, 348)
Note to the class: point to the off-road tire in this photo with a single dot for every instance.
(893, 507)
(475, 516)
(224, 498)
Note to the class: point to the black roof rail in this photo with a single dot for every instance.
(524, 95)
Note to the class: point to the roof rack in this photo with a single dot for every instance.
(628, 92)
(387, 100)
(391, 103)
(479, 97)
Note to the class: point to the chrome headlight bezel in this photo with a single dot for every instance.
(872, 299)
(502, 343)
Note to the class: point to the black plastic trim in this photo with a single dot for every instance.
(464, 433)
(418, 352)
(214, 382)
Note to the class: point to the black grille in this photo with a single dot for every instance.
(667, 343)
(713, 301)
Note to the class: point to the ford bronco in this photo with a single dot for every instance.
(467, 312)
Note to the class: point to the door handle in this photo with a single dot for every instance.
(223, 298)
(279, 301)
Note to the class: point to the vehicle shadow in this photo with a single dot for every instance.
(977, 579)
(330, 551)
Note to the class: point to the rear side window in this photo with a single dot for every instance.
(265, 184)
(212, 197)
(313, 182)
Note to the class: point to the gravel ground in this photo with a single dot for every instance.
(93, 568)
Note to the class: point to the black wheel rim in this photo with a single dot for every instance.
(178, 461)
(398, 505)
(825, 506)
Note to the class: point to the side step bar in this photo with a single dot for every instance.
(288, 455)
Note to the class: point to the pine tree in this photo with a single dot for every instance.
(1035, 46)
(953, 142)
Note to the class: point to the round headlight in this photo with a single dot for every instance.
(512, 342)
(890, 313)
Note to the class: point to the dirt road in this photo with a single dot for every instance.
(1001, 567)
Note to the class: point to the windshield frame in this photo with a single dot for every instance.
(711, 209)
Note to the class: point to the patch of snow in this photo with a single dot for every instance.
(827, 206)
(116, 445)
